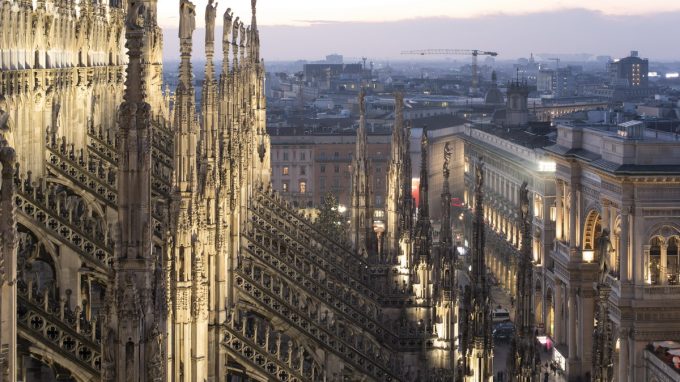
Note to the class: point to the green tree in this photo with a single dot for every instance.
(330, 219)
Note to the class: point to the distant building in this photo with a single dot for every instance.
(631, 71)
(305, 167)
(560, 83)
(321, 75)
(334, 59)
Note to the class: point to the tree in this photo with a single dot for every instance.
(330, 219)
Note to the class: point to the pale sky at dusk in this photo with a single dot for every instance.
(381, 29)
(301, 12)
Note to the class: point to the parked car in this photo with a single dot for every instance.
(503, 331)
(500, 315)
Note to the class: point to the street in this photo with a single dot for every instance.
(501, 350)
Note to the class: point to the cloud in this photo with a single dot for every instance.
(567, 31)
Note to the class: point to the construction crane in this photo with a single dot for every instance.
(458, 52)
(556, 60)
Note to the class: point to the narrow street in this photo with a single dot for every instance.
(502, 349)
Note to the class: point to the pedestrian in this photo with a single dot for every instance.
(546, 376)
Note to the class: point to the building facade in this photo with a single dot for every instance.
(323, 163)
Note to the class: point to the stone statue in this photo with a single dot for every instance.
(135, 16)
(228, 22)
(154, 355)
(210, 16)
(4, 122)
(242, 33)
(604, 246)
(187, 19)
(235, 29)
(479, 174)
(524, 201)
(108, 347)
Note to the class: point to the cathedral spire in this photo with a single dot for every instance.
(362, 218)
(395, 176)
(424, 207)
(445, 236)
(478, 349)
(132, 339)
(209, 138)
(522, 367)
(254, 38)
(423, 236)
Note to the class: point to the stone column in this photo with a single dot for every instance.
(623, 355)
(573, 211)
(586, 327)
(647, 264)
(557, 313)
(572, 324)
(623, 245)
(663, 278)
(559, 232)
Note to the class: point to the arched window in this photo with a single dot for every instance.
(655, 260)
(673, 260)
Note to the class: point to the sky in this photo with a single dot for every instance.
(305, 12)
(381, 29)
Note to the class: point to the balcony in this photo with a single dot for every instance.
(661, 292)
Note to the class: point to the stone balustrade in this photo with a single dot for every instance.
(64, 331)
(296, 309)
(257, 343)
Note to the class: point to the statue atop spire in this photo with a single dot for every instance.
(187, 19)
(210, 16)
(228, 21)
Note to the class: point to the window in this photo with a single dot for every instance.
(303, 187)
(303, 170)
(322, 183)
(336, 182)
(337, 169)
(284, 187)
(285, 170)
(323, 169)
(303, 156)
(285, 155)
(336, 154)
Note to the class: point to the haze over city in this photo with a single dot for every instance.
(302, 29)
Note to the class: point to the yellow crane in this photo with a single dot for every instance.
(458, 52)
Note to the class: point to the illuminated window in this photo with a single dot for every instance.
(284, 187)
(303, 187)
(285, 170)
